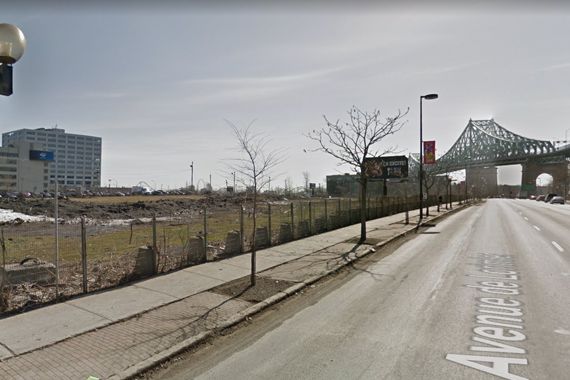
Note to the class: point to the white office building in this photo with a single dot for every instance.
(77, 158)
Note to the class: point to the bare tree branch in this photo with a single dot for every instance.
(353, 141)
(254, 169)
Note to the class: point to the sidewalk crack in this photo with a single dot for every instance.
(8, 349)
(89, 311)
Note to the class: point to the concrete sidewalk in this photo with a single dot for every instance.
(117, 333)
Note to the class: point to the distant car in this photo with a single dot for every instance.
(549, 196)
(540, 198)
(557, 200)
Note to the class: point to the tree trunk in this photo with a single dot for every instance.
(363, 186)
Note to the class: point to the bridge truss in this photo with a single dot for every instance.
(485, 142)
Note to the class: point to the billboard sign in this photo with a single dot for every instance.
(41, 155)
(386, 167)
(429, 152)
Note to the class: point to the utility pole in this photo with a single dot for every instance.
(192, 176)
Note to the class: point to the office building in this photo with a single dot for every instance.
(21, 170)
(77, 158)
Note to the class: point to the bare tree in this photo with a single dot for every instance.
(254, 170)
(353, 141)
(429, 177)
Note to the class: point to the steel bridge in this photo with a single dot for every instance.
(484, 144)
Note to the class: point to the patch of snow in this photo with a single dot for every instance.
(11, 215)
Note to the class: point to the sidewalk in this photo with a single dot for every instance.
(117, 333)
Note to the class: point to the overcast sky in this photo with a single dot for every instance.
(157, 82)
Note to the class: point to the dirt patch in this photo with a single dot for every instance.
(241, 288)
(128, 207)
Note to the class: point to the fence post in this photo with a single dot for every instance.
(206, 231)
(241, 229)
(269, 223)
(292, 223)
(349, 211)
(154, 246)
(3, 244)
(326, 217)
(310, 218)
(84, 254)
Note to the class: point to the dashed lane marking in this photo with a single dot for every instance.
(536, 228)
(525, 218)
(558, 247)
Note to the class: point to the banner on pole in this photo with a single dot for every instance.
(429, 152)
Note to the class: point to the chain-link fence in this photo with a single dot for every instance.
(91, 255)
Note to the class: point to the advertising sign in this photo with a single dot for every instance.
(41, 155)
(429, 152)
(386, 167)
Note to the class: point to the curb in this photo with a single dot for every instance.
(243, 315)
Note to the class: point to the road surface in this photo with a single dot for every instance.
(485, 294)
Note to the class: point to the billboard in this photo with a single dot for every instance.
(41, 155)
(386, 167)
(429, 152)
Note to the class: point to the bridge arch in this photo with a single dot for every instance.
(532, 170)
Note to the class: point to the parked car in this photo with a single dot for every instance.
(557, 200)
(540, 198)
(549, 196)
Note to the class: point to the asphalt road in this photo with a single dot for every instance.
(485, 294)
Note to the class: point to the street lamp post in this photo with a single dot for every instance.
(427, 97)
(12, 46)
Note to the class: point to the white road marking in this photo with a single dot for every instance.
(536, 228)
(562, 331)
(525, 218)
(558, 247)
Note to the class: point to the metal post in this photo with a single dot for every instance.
(205, 230)
(406, 203)
(292, 223)
(326, 217)
(56, 222)
(269, 223)
(84, 254)
(310, 219)
(154, 246)
(421, 164)
(241, 229)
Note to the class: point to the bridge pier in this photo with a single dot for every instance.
(532, 169)
(482, 181)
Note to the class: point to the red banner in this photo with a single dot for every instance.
(429, 152)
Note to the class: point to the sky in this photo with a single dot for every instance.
(159, 81)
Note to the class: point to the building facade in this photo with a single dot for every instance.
(20, 171)
(77, 158)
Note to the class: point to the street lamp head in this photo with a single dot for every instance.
(12, 44)
(430, 96)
